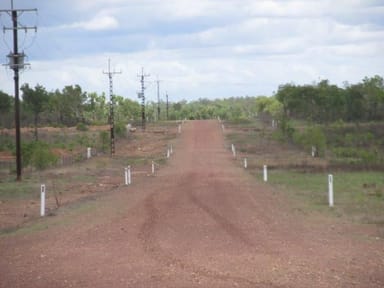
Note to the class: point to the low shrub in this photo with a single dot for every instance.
(104, 141)
(313, 136)
(81, 127)
(38, 155)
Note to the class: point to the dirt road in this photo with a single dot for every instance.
(201, 222)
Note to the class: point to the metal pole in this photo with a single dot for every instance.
(142, 102)
(17, 99)
(158, 100)
(167, 105)
(17, 63)
(142, 96)
(111, 106)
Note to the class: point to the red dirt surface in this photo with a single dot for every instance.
(201, 222)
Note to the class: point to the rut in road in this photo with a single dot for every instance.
(201, 222)
(196, 172)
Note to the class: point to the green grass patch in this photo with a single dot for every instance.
(72, 210)
(9, 189)
(358, 195)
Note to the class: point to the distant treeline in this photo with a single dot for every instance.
(324, 102)
(319, 103)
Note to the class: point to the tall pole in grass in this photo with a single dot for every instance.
(158, 99)
(142, 96)
(111, 106)
(167, 105)
(16, 63)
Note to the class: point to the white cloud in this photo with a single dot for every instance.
(100, 23)
(206, 48)
(97, 23)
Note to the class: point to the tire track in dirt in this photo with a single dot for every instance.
(200, 222)
(225, 224)
(189, 180)
(166, 259)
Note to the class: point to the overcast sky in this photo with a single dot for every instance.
(197, 48)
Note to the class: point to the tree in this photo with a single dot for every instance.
(68, 106)
(127, 109)
(268, 105)
(36, 100)
(55, 109)
(96, 108)
(355, 108)
(373, 93)
(332, 102)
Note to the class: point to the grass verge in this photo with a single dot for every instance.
(358, 195)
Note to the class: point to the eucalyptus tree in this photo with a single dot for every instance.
(36, 100)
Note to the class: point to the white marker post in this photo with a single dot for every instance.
(129, 175)
(245, 163)
(126, 175)
(330, 190)
(89, 152)
(265, 174)
(168, 153)
(171, 149)
(233, 151)
(153, 168)
(42, 200)
(313, 151)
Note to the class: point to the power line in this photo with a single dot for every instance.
(16, 63)
(111, 105)
(142, 96)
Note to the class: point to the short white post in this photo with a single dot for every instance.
(126, 175)
(313, 152)
(233, 151)
(171, 149)
(265, 173)
(168, 153)
(42, 200)
(330, 190)
(245, 163)
(153, 168)
(129, 175)
(89, 152)
(273, 123)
